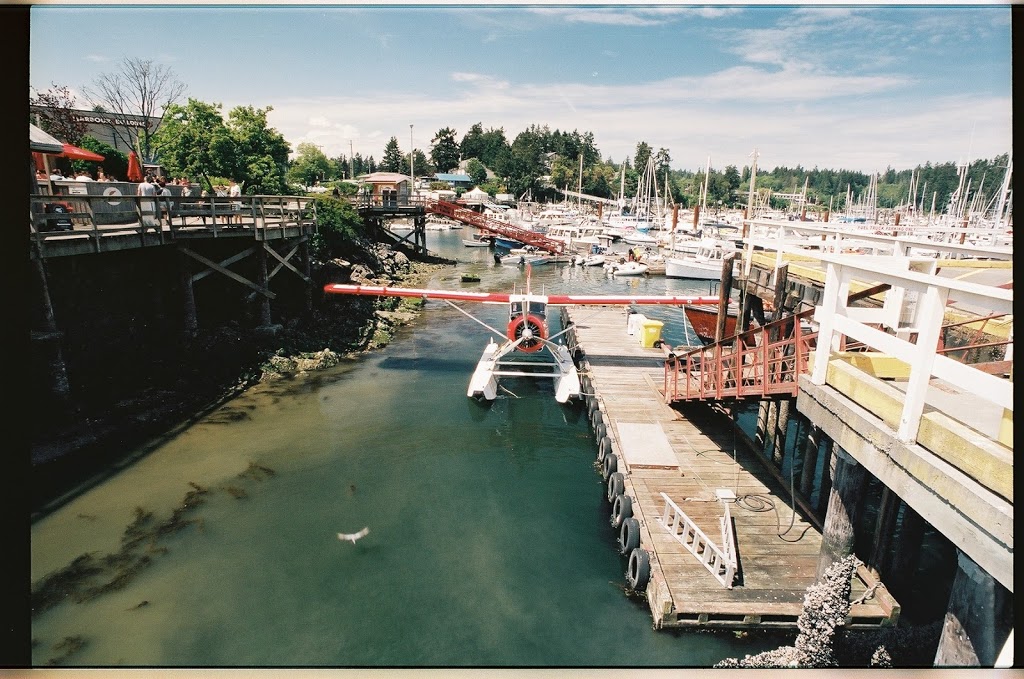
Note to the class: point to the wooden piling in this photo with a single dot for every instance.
(190, 315)
(907, 553)
(885, 523)
(810, 461)
(782, 411)
(264, 283)
(844, 505)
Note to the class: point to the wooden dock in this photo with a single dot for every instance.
(688, 454)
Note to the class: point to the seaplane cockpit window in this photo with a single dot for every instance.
(515, 308)
(539, 308)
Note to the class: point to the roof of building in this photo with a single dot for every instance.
(446, 177)
(384, 177)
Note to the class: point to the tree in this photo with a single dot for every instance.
(140, 88)
(393, 160)
(260, 153)
(194, 141)
(309, 166)
(59, 118)
(444, 150)
(643, 152)
(477, 171)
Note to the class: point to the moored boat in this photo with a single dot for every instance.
(706, 264)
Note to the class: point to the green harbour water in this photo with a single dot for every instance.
(489, 543)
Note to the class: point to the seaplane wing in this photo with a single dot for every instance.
(505, 298)
(526, 332)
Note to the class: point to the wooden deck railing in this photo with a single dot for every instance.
(60, 217)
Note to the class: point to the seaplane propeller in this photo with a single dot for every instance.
(526, 331)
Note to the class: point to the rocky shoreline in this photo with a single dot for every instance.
(87, 436)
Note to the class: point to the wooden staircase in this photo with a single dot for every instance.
(473, 218)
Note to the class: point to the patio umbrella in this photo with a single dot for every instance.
(76, 153)
(134, 169)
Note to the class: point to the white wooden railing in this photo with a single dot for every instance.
(915, 306)
(720, 561)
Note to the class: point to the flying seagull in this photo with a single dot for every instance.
(354, 536)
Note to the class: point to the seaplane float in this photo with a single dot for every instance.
(526, 333)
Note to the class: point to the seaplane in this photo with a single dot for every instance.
(526, 333)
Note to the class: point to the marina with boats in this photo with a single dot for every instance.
(859, 340)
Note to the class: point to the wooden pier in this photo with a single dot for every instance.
(687, 455)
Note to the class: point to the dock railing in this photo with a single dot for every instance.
(914, 311)
(95, 217)
(721, 562)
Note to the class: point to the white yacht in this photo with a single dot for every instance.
(706, 264)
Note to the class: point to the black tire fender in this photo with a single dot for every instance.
(603, 448)
(610, 464)
(629, 535)
(616, 486)
(622, 509)
(638, 572)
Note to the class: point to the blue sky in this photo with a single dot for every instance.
(830, 86)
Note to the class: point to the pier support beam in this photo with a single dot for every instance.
(978, 619)
(60, 386)
(844, 505)
(825, 489)
(782, 411)
(907, 554)
(762, 422)
(191, 317)
(307, 268)
(810, 462)
(885, 524)
(264, 283)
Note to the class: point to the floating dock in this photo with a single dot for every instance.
(691, 457)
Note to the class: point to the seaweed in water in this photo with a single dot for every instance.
(75, 581)
(236, 492)
(257, 472)
(68, 647)
(65, 583)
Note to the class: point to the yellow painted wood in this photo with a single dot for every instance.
(874, 363)
(987, 462)
(877, 397)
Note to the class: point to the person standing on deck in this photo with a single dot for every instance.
(235, 191)
(147, 207)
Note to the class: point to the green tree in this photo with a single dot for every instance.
(643, 152)
(195, 142)
(393, 159)
(444, 150)
(260, 153)
(477, 171)
(309, 166)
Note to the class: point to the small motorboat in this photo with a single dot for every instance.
(476, 242)
(630, 269)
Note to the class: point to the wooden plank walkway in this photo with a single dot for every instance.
(623, 381)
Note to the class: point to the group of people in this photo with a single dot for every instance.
(80, 176)
(158, 187)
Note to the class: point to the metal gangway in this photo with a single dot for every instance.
(497, 226)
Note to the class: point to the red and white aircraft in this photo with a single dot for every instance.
(526, 332)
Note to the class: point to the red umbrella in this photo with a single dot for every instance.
(76, 153)
(134, 169)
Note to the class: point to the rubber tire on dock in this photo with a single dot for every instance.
(638, 572)
(600, 430)
(603, 448)
(629, 535)
(616, 486)
(610, 464)
(595, 417)
(622, 509)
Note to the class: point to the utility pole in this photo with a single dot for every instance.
(412, 175)
(351, 161)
